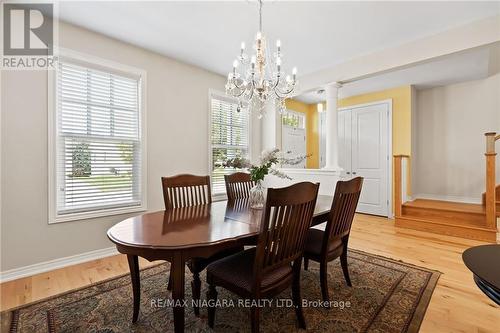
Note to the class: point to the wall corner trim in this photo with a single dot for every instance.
(50, 265)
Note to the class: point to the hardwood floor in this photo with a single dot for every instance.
(457, 305)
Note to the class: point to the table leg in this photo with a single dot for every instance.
(133, 263)
(177, 271)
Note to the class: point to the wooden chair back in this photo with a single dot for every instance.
(287, 217)
(343, 209)
(238, 185)
(186, 190)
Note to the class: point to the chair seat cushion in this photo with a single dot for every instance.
(315, 240)
(237, 270)
(198, 264)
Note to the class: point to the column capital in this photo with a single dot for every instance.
(334, 84)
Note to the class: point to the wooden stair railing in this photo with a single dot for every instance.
(400, 183)
(453, 219)
(490, 197)
(497, 195)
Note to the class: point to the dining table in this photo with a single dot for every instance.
(176, 235)
(483, 261)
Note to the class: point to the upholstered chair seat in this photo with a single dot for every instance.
(223, 272)
(315, 241)
(198, 264)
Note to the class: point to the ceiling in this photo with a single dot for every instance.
(473, 64)
(314, 35)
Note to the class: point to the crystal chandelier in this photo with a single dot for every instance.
(255, 83)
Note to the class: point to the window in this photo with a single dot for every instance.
(98, 156)
(293, 119)
(229, 137)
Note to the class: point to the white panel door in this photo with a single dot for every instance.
(370, 156)
(294, 143)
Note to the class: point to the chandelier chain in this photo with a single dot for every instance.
(260, 15)
(257, 80)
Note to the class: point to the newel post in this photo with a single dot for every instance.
(490, 180)
(398, 200)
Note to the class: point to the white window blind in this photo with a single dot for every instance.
(98, 139)
(229, 137)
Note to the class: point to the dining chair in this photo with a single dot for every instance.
(325, 246)
(274, 264)
(187, 191)
(238, 185)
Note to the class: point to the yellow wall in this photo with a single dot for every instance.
(401, 114)
(401, 120)
(312, 137)
(312, 131)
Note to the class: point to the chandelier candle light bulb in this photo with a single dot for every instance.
(255, 84)
(235, 65)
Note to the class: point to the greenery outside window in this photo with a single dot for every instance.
(229, 137)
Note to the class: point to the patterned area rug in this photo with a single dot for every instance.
(387, 296)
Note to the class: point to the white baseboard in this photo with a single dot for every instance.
(50, 265)
(447, 198)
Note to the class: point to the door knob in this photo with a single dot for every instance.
(354, 173)
(348, 173)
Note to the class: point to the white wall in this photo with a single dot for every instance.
(177, 131)
(450, 126)
(474, 34)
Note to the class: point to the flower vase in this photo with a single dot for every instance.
(257, 196)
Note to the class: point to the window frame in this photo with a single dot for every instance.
(298, 115)
(219, 196)
(104, 65)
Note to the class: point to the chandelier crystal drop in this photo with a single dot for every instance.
(260, 79)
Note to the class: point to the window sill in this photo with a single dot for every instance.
(95, 214)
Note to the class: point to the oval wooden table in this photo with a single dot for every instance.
(484, 263)
(179, 234)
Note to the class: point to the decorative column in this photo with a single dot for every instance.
(332, 136)
(270, 129)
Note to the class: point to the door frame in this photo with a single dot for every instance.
(388, 102)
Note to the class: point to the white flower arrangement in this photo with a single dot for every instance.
(268, 158)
